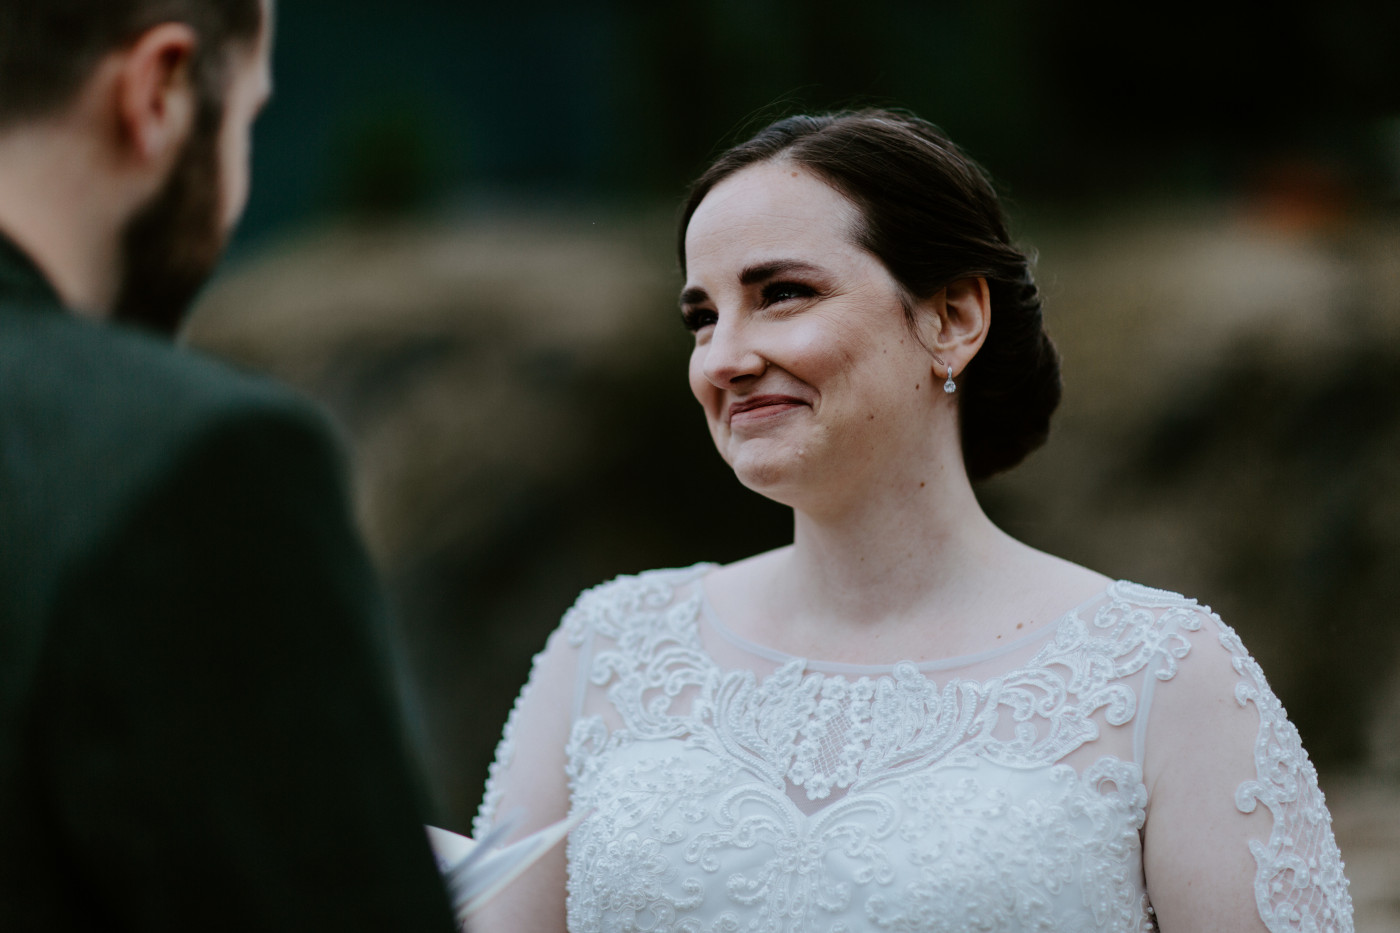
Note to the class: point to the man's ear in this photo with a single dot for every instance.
(155, 94)
(959, 316)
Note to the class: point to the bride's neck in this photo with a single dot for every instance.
(891, 554)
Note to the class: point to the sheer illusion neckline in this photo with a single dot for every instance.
(720, 628)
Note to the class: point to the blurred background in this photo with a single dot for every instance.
(460, 239)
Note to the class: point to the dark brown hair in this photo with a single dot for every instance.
(49, 48)
(931, 215)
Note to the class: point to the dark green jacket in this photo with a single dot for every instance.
(196, 731)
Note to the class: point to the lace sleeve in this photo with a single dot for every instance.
(532, 699)
(1220, 746)
(1299, 884)
(527, 785)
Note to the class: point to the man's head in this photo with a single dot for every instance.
(167, 90)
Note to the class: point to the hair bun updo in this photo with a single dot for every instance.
(931, 215)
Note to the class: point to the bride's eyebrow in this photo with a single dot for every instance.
(756, 275)
(762, 272)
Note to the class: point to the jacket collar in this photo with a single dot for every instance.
(20, 279)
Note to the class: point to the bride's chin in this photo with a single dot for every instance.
(772, 477)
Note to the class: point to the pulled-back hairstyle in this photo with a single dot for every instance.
(49, 48)
(930, 214)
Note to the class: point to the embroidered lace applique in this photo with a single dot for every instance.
(1299, 884)
(914, 799)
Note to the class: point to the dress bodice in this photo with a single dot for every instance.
(728, 786)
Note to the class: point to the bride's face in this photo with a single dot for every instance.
(811, 380)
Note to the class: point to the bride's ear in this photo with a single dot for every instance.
(958, 317)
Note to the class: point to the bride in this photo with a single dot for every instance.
(905, 719)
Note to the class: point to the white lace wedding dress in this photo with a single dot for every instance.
(730, 787)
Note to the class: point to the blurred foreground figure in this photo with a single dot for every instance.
(904, 720)
(195, 728)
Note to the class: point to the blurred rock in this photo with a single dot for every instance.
(453, 355)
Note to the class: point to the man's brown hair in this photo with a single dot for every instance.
(49, 48)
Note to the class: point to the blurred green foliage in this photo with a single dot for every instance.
(392, 161)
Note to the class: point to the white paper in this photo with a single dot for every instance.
(475, 871)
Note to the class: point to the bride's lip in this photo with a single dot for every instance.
(761, 405)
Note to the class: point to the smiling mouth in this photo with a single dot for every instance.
(762, 406)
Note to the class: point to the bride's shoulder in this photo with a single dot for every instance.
(1126, 606)
(1175, 628)
(629, 599)
(1158, 607)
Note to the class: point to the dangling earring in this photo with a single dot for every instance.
(949, 385)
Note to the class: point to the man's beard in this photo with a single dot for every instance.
(171, 246)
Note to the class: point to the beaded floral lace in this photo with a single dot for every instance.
(733, 788)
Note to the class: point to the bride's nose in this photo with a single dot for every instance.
(730, 356)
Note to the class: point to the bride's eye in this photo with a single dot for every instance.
(777, 292)
(695, 318)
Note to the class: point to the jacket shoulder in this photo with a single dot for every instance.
(96, 418)
(91, 372)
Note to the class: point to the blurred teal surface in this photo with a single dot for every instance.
(435, 105)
